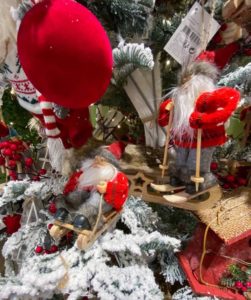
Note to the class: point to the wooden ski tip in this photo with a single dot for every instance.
(192, 202)
(165, 187)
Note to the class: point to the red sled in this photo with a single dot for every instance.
(215, 263)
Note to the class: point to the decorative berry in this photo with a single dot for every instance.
(49, 226)
(52, 208)
(248, 284)
(39, 249)
(47, 252)
(238, 284)
(242, 181)
(13, 175)
(12, 163)
(69, 235)
(7, 152)
(230, 178)
(36, 178)
(234, 185)
(2, 161)
(53, 249)
(17, 156)
(244, 289)
(214, 166)
(13, 147)
(42, 172)
(226, 186)
(28, 161)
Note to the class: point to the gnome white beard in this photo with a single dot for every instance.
(93, 175)
(184, 98)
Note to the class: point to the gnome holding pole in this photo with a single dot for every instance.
(200, 110)
(98, 179)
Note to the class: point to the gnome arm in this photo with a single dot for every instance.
(163, 117)
(117, 191)
(214, 108)
(72, 183)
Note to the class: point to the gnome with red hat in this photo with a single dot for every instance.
(197, 104)
(99, 175)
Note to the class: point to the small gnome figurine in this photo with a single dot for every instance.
(99, 175)
(197, 103)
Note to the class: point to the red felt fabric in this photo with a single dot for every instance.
(12, 223)
(72, 183)
(117, 191)
(75, 129)
(211, 112)
(65, 52)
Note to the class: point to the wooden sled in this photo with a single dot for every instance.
(193, 202)
(85, 237)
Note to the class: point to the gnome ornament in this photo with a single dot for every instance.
(197, 105)
(98, 176)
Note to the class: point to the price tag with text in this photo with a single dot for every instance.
(186, 43)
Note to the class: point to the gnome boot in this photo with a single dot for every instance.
(61, 214)
(81, 222)
(209, 181)
(175, 181)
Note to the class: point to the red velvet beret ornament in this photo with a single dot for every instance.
(65, 53)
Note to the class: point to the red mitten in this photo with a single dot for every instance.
(163, 116)
(195, 120)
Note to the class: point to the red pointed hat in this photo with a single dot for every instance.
(117, 149)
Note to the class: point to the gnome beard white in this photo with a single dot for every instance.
(93, 174)
(184, 98)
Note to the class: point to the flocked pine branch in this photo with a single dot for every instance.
(171, 269)
(186, 293)
(127, 17)
(237, 78)
(115, 267)
(129, 57)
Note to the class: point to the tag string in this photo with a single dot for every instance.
(206, 33)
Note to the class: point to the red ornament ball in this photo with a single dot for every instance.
(214, 166)
(42, 172)
(248, 284)
(53, 249)
(244, 289)
(39, 249)
(28, 161)
(65, 52)
(52, 208)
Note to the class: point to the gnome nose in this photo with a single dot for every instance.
(99, 161)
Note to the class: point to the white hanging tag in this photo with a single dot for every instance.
(186, 42)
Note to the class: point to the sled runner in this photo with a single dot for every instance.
(86, 237)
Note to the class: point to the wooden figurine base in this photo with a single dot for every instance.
(144, 186)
